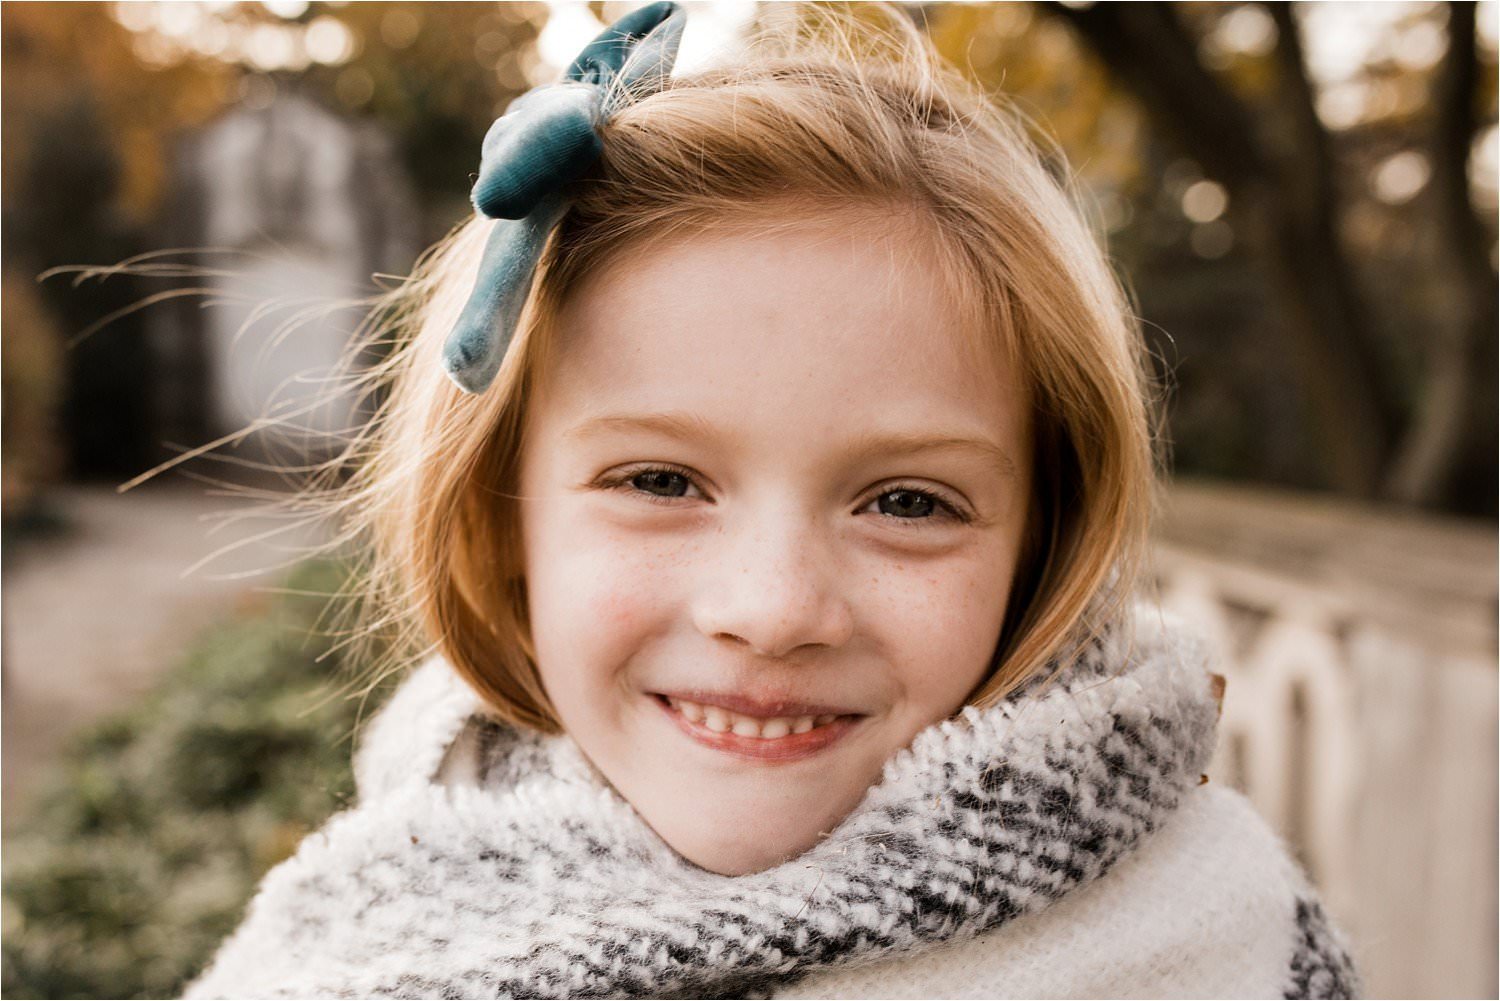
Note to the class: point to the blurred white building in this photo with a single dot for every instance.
(287, 211)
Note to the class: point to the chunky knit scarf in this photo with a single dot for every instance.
(518, 872)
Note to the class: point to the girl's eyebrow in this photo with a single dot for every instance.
(691, 427)
(688, 427)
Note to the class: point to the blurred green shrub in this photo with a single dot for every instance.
(137, 861)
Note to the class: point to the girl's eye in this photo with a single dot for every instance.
(657, 484)
(661, 483)
(908, 504)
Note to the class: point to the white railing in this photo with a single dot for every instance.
(1360, 714)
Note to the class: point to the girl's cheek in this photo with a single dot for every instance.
(941, 595)
(944, 618)
(620, 606)
(605, 586)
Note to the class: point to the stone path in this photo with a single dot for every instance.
(92, 616)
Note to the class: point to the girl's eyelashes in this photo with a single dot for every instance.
(657, 484)
(904, 503)
(662, 484)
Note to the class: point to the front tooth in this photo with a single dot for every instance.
(803, 724)
(692, 710)
(716, 719)
(776, 728)
(744, 726)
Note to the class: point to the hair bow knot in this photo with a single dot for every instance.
(547, 138)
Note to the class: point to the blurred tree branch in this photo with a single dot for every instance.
(1454, 426)
(1284, 197)
(1149, 50)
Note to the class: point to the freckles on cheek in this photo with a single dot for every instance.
(944, 618)
(941, 599)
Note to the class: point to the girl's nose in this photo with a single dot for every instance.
(774, 593)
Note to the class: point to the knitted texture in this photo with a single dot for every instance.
(1202, 908)
(521, 873)
(1320, 966)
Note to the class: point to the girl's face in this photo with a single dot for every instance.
(771, 512)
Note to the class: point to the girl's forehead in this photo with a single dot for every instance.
(795, 314)
(795, 346)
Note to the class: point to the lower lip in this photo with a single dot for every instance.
(792, 747)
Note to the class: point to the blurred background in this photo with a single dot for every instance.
(1301, 197)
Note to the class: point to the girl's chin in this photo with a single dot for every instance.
(740, 855)
(733, 807)
(760, 827)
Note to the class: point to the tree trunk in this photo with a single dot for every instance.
(1455, 421)
(1285, 203)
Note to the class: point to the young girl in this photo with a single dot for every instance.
(777, 545)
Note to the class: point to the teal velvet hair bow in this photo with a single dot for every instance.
(547, 138)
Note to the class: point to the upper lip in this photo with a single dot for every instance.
(744, 705)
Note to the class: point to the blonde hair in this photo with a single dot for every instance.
(826, 113)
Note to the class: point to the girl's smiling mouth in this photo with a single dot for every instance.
(783, 732)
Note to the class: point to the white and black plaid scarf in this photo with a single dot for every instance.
(535, 879)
